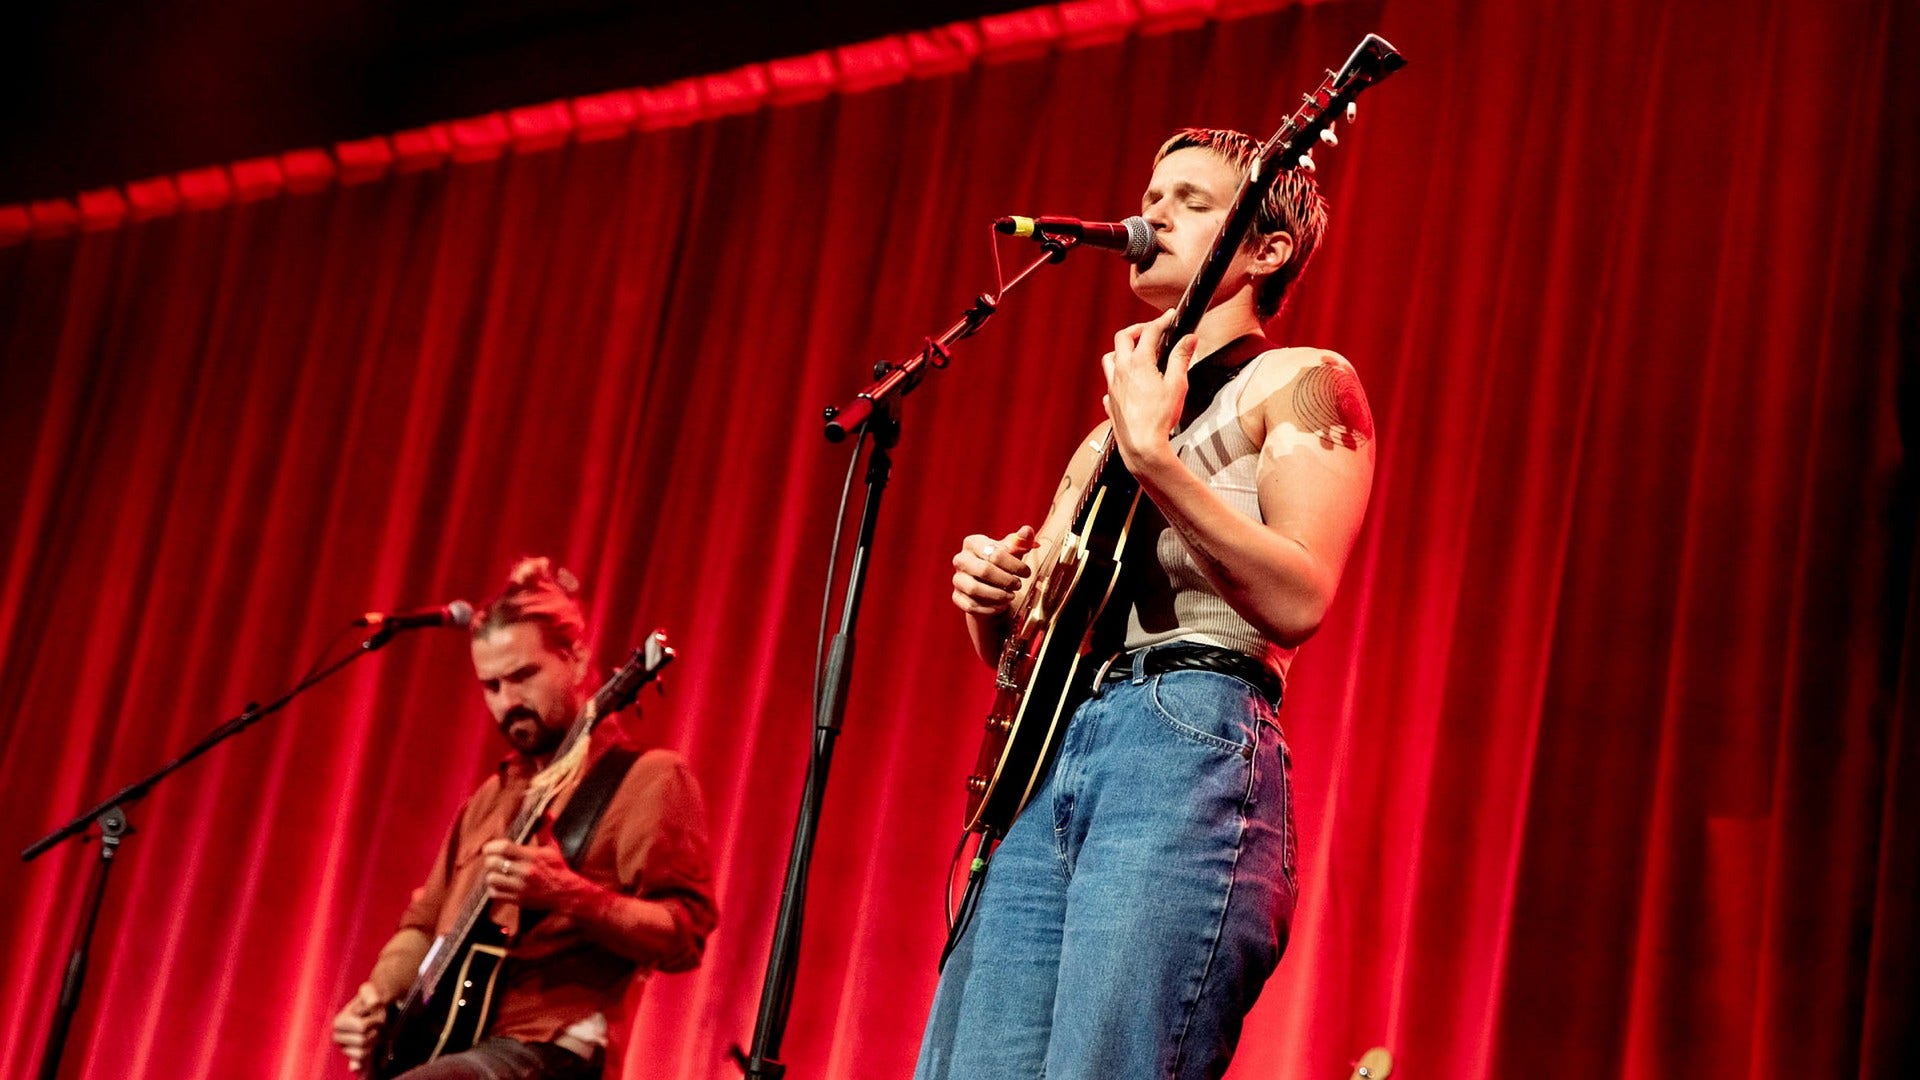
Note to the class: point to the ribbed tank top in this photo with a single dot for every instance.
(1173, 601)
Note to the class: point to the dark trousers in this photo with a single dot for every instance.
(507, 1059)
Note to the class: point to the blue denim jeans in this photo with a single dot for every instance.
(1137, 905)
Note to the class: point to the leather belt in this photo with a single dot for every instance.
(1163, 659)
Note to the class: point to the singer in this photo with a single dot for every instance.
(1137, 905)
(640, 899)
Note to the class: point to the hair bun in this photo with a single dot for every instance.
(536, 571)
(530, 570)
(538, 592)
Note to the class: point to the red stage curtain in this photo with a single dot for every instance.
(1606, 756)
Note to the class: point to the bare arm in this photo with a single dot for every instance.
(399, 962)
(639, 929)
(1316, 466)
(357, 1026)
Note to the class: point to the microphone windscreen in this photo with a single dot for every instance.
(460, 613)
(1139, 239)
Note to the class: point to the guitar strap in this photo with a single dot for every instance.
(576, 823)
(1235, 354)
(1205, 380)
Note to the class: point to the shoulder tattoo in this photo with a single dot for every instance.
(1329, 402)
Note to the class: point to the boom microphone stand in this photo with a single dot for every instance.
(875, 410)
(111, 817)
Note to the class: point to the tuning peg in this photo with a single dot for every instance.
(1353, 111)
(1327, 136)
(1306, 162)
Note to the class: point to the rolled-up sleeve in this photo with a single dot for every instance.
(662, 853)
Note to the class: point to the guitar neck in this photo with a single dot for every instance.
(1289, 147)
(474, 903)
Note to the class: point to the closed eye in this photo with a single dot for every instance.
(514, 677)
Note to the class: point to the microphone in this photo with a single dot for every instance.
(456, 615)
(1132, 238)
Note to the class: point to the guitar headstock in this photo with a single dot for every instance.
(642, 667)
(1289, 148)
(1375, 1064)
(1313, 122)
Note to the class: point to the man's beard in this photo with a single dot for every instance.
(536, 739)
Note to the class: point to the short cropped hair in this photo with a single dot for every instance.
(540, 593)
(1293, 205)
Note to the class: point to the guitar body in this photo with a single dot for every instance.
(449, 1016)
(1047, 665)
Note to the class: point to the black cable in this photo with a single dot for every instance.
(970, 899)
(833, 564)
(953, 864)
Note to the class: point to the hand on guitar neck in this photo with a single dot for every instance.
(534, 877)
(1145, 402)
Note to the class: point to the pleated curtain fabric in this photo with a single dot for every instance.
(1605, 755)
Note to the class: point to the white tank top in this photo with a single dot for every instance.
(1173, 601)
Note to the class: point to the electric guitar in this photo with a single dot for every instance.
(451, 1000)
(1046, 667)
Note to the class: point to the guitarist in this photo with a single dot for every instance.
(1137, 905)
(640, 898)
